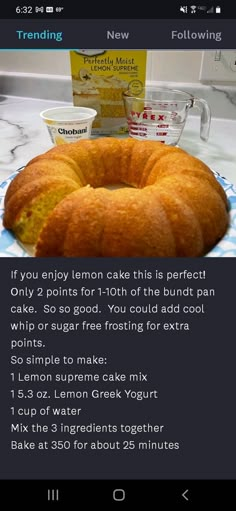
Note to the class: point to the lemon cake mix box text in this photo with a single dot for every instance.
(99, 78)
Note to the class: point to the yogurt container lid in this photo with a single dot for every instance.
(68, 113)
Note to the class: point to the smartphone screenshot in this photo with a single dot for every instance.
(118, 256)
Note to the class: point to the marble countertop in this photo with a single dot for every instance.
(23, 136)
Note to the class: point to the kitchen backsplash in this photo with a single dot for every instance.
(221, 98)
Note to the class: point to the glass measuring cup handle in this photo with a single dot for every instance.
(204, 108)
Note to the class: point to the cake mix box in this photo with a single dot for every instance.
(99, 78)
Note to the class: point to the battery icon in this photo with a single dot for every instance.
(218, 9)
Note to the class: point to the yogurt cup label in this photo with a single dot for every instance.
(62, 134)
(68, 124)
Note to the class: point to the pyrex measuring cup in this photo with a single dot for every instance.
(158, 113)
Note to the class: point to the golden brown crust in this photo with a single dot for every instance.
(204, 201)
(136, 226)
(185, 226)
(126, 153)
(27, 193)
(139, 158)
(85, 231)
(51, 238)
(54, 160)
(183, 163)
(110, 232)
(38, 170)
(107, 156)
(176, 208)
(161, 150)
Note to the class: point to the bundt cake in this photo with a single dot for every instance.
(172, 205)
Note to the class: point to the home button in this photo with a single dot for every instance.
(119, 495)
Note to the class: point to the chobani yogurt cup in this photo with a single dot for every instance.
(68, 123)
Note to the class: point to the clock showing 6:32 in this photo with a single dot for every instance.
(24, 9)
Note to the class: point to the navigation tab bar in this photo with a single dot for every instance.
(117, 34)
